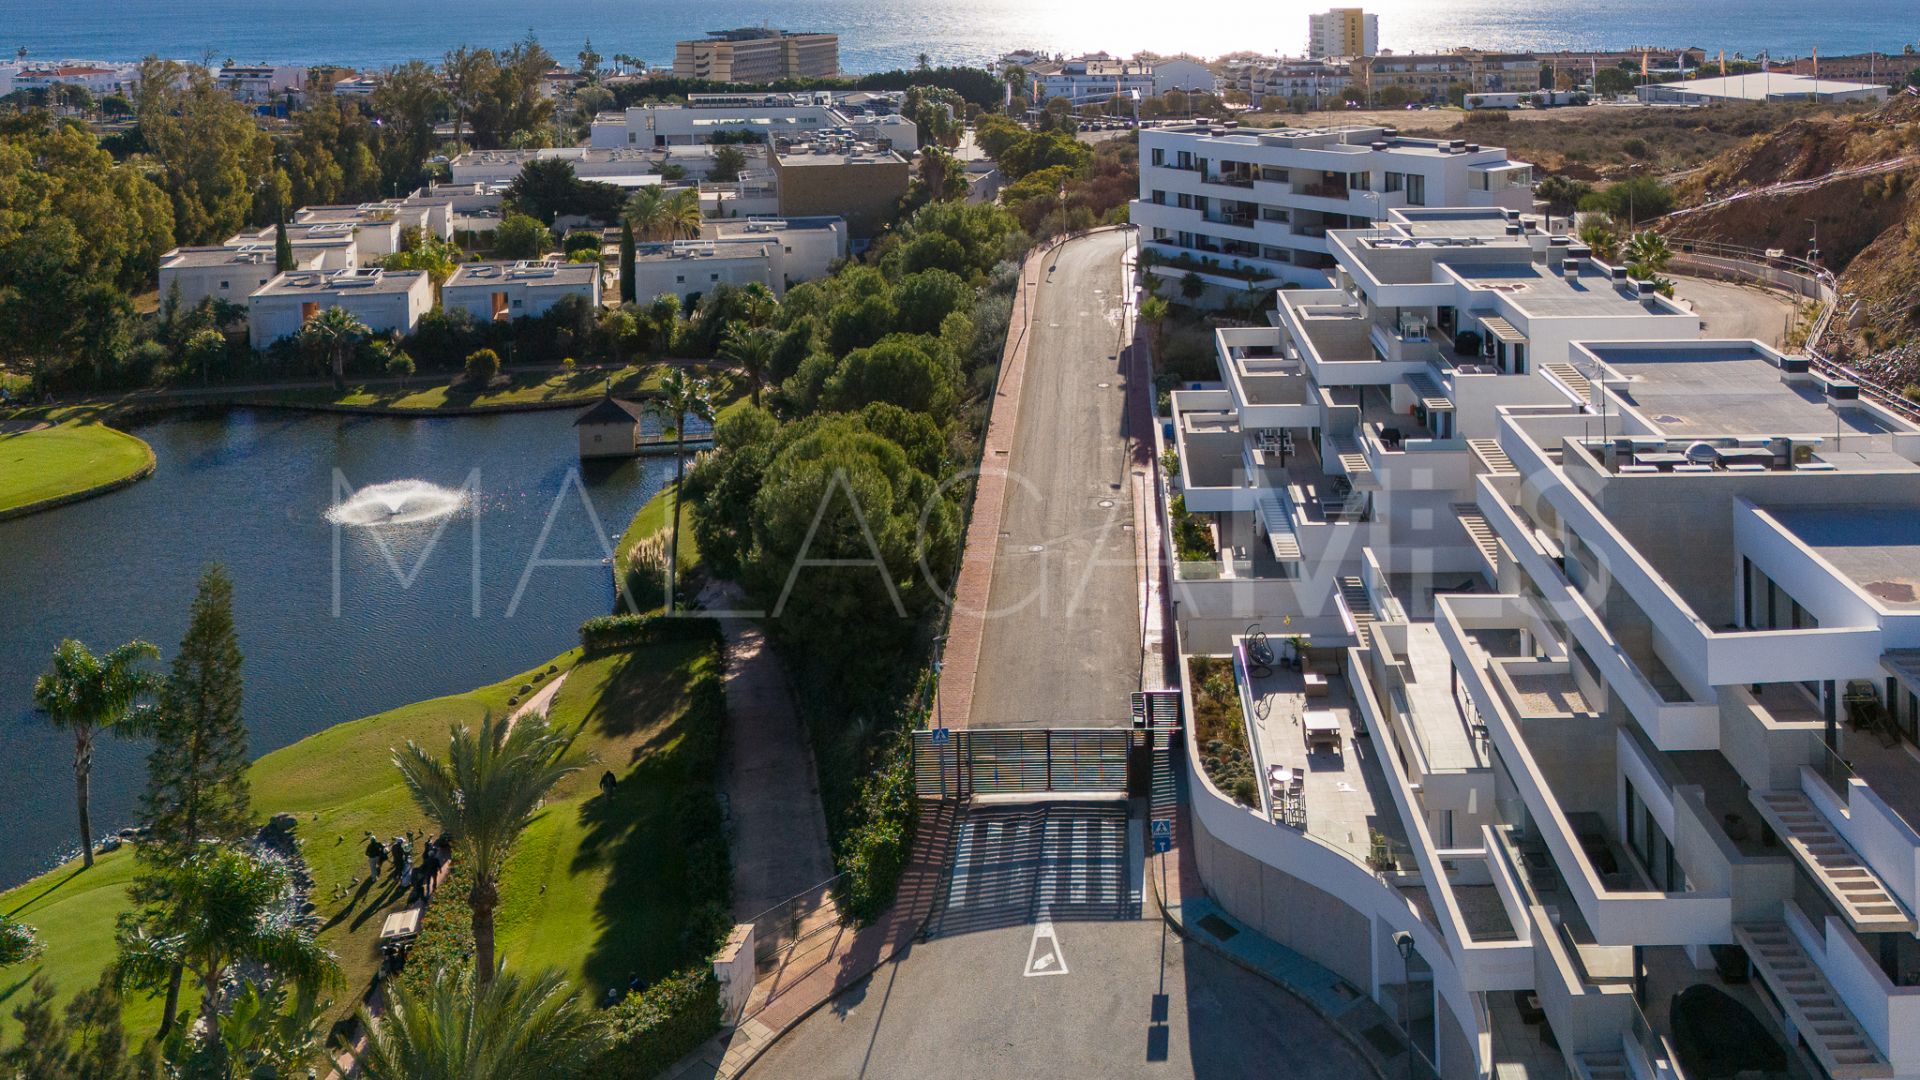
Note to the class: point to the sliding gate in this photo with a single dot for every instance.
(973, 761)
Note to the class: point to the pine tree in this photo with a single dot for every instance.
(282, 248)
(626, 263)
(196, 773)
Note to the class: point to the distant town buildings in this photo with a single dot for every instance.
(97, 77)
(1253, 208)
(1429, 77)
(707, 118)
(258, 84)
(757, 55)
(1096, 77)
(1273, 82)
(1181, 73)
(1343, 32)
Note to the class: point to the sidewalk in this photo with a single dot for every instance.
(779, 840)
(811, 977)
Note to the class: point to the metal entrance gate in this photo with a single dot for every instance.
(975, 761)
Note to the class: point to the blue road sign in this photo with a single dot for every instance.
(941, 736)
(1162, 836)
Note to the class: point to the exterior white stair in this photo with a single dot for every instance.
(1854, 888)
(1833, 1034)
(1492, 458)
(1353, 595)
(1353, 462)
(1571, 378)
(1481, 533)
(1276, 520)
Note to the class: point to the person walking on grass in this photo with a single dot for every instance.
(376, 855)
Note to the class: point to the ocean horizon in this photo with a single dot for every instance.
(880, 36)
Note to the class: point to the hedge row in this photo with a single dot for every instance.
(605, 633)
(873, 853)
(649, 1031)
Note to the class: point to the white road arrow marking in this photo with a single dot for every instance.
(1044, 956)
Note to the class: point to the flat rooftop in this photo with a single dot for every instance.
(533, 274)
(1721, 389)
(1875, 547)
(249, 255)
(750, 228)
(1541, 294)
(812, 155)
(344, 282)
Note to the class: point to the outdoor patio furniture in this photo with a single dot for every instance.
(1316, 684)
(1322, 728)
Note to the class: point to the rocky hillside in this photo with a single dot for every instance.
(1852, 180)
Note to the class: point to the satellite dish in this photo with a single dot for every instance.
(1701, 453)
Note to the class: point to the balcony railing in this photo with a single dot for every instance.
(1322, 191)
(1239, 180)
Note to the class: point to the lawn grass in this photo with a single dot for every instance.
(591, 889)
(652, 518)
(65, 459)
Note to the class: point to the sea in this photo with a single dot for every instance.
(877, 35)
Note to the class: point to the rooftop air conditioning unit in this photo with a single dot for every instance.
(1379, 144)
(1471, 148)
(1617, 273)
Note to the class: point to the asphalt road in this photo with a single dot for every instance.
(1736, 311)
(1132, 1001)
(1062, 640)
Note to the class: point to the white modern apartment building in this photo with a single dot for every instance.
(502, 291)
(800, 116)
(771, 251)
(1343, 32)
(97, 77)
(1243, 207)
(230, 273)
(385, 300)
(620, 166)
(1601, 761)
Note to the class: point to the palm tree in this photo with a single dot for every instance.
(483, 795)
(664, 314)
(1600, 237)
(750, 349)
(683, 214)
(682, 396)
(1647, 254)
(84, 694)
(459, 1029)
(337, 331)
(647, 213)
(222, 907)
(1154, 311)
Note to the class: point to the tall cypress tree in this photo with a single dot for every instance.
(196, 773)
(282, 248)
(626, 263)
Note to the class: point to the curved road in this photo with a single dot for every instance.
(1737, 311)
(1061, 646)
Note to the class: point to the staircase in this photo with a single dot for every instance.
(1602, 1065)
(1493, 459)
(1276, 520)
(1809, 1001)
(1353, 594)
(1481, 533)
(1833, 863)
(1571, 378)
(1353, 462)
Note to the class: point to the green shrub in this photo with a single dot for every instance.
(17, 942)
(874, 852)
(647, 1032)
(445, 941)
(482, 366)
(605, 633)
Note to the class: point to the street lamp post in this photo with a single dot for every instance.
(1403, 941)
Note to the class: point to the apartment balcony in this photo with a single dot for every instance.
(1235, 179)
